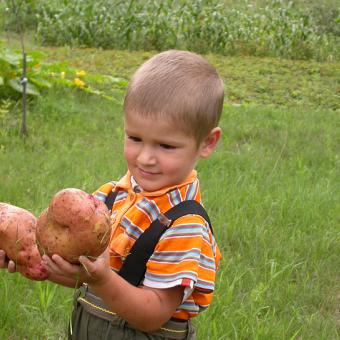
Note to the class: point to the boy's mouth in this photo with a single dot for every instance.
(146, 173)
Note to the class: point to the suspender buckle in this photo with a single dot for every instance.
(164, 220)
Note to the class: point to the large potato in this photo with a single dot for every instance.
(18, 239)
(74, 224)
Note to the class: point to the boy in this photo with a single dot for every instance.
(171, 112)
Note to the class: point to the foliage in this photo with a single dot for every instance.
(10, 72)
(42, 76)
(18, 15)
(277, 28)
(248, 80)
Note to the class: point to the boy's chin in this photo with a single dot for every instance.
(151, 185)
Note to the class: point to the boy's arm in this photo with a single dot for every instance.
(144, 308)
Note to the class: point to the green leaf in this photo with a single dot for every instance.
(1, 81)
(15, 84)
(57, 67)
(63, 82)
(40, 82)
(118, 81)
(11, 58)
(35, 57)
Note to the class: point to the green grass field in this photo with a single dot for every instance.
(271, 189)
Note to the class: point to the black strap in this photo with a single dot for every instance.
(134, 267)
(110, 199)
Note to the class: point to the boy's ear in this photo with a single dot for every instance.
(209, 143)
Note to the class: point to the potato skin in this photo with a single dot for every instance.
(74, 224)
(18, 239)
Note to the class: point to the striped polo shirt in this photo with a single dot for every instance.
(186, 254)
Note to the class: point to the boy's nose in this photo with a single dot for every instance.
(146, 156)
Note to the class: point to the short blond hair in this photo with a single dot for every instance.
(178, 86)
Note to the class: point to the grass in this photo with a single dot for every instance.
(271, 189)
(248, 80)
(280, 235)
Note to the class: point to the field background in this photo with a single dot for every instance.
(271, 189)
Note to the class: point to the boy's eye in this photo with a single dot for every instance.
(167, 146)
(134, 139)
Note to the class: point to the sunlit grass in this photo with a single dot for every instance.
(271, 190)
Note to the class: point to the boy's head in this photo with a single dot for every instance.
(172, 108)
(179, 87)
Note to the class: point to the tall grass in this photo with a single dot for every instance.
(268, 28)
(271, 190)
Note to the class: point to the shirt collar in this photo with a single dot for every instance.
(128, 182)
(135, 186)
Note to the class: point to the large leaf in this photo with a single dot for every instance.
(11, 58)
(15, 84)
(14, 59)
(41, 83)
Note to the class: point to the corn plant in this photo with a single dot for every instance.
(271, 28)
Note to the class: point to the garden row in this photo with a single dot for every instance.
(273, 28)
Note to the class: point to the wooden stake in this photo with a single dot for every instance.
(24, 131)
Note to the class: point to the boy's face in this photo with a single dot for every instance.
(158, 154)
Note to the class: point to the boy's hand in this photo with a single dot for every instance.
(58, 266)
(6, 263)
(87, 271)
(97, 271)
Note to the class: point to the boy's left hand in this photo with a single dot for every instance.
(87, 271)
(97, 271)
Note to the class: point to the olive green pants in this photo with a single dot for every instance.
(92, 321)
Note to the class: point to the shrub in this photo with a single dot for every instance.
(42, 75)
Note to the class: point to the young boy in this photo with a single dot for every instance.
(171, 114)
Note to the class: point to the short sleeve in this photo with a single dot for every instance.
(104, 190)
(185, 255)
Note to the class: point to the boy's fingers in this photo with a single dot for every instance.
(11, 267)
(65, 266)
(4, 263)
(59, 266)
(48, 263)
(87, 264)
(84, 261)
(2, 259)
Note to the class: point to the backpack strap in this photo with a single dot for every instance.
(134, 267)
